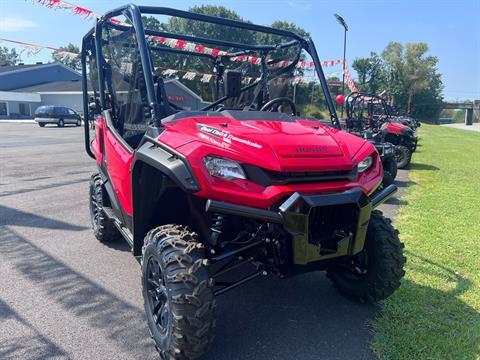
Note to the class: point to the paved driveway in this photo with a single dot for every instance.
(65, 295)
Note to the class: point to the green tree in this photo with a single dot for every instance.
(370, 72)
(72, 62)
(410, 72)
(8, 56)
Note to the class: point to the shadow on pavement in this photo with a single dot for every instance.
(297, 318)
(41, 187)
(121, 322)
(34, 345)
(11, 216)
(404, 183)
(396, 201)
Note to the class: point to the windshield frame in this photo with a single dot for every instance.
(134, 15)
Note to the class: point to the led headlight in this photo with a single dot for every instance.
(224, 168)
(365, 164)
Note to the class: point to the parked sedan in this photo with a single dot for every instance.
(56, 115)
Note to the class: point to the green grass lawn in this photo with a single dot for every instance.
(436, 312)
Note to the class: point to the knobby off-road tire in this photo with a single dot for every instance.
(381, 276)
(389, 171)
(177, 292)
(403, 155)
(103, 227)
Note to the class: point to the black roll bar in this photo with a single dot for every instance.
(134, 14)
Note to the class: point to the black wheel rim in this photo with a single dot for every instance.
(157, 297)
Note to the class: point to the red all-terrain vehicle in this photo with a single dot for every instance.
(239, 183)
(373, 112)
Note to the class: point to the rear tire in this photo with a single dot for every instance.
(41, 124)
(177, 292)
(403, 155)
(103, 228)
(61, 123)
(375, 273)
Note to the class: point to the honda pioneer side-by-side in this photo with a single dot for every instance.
(371, 112)
(359, 122)
(211, 169)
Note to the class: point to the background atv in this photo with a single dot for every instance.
(370, 112)
(358, 123)
(236, 187)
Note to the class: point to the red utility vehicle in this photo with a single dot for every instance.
(371, 112)
(239, 185)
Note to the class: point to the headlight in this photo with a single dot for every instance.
(224, 168)
(365, 164)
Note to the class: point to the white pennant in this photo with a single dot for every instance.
(189, 75)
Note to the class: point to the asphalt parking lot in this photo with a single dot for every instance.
(65, 295)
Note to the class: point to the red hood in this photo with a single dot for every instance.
(395, 128)
(298, 145)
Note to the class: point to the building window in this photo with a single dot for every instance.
(24, 109)
(3, 109)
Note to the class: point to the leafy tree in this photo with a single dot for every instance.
(73, 63)
(370, 72)
(8, 57)
(410, 72)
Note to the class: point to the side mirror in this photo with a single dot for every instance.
(232, 81)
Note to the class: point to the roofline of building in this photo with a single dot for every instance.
(36, 66)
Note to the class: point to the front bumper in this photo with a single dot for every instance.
(322, 226)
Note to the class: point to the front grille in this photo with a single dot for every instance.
(268, 177)
(330, 224)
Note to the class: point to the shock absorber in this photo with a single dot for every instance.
(217, 225)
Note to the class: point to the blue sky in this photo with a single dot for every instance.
(451, 28)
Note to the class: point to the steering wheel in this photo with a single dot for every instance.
(274, 104)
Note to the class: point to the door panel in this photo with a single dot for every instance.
(118, 159)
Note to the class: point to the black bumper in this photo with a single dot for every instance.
(322, 226)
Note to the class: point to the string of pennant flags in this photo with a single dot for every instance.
(205, 77)
(32, 49)
(176, 43)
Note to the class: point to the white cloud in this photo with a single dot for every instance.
(10, 24)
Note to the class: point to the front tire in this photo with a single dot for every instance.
(78, 123)
(61, 123)
(389, 171)
(177, 292)
(403, 155)
(375, 273)
(41, 124)
(103, 228)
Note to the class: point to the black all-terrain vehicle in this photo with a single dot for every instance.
(238, 183)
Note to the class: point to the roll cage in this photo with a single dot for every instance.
(362, 107)
(92, 48)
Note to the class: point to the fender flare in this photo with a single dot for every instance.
(169, 162)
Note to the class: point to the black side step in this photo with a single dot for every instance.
(127, 235)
